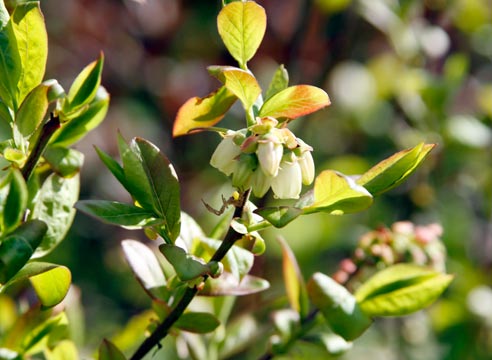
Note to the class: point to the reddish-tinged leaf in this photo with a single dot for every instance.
(295, 101)
(203, 112)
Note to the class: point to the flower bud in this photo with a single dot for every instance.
(288, 183)
(243, 171)
(269, 156)
(306, 163)
(260, 183)
(224, 156)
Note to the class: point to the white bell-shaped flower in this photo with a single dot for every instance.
(306, 163)
(288, 183)
(269, 156)
(224, 156)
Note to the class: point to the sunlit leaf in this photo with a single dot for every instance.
(240, 82)
(85, 121)
(32, 45)
(52, 286)
(242, 26)
(293, 280)
(295, 101)
(338, 306)
(187, 267)
(336, 193)
(63, 350)
(203, 112)
(18, 247)
(279, 216)
(226, 284)
(33, 340)
(85, 86)
(10, 63)
(401, 289)
(145, 266)
(197, 322)
(113, 166)
(116, 213)
(64, 161)
(394, 170)
(108, 351)
(279, 82)
(54, 205)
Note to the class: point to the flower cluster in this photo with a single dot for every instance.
(404, 242)
(265, 155)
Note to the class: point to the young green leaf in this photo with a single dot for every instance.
(338, 306)
(144, 265)
(392, 171)
(203, 112)
(32, 45)
(114, 167)
(85, 121)
(33, 109)
(227, 285)
(51, 286)
(279, 82)
(17, 248)
(117, 213)
(65, 162)
(293, 280)
(242, 26)
(188, 267)
(84, 87)
(16, 201)
(153, 182)
(197, 322)
(279, 216)
(336, 193)
(54, 205)
(295, 101)
(240, 82)
(40, 329)
(10, 63)
(401, 289)
(109, 351)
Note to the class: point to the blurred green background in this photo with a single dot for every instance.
(397, 72)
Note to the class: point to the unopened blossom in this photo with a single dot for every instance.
(269, 154)
(243, 171)
(288, 183)
(306, 163)
(224, 156)
(260, 183)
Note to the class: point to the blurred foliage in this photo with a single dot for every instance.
(397, 72)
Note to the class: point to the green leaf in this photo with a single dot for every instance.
(280, 81)
(203, 112)
(10, 63)
(116, 213)
(190, 230)
(295, 101)
(35, 338)
(52, 286)
(63, 350)
(279, 216)
(401, 289)
(17, 248)
(152, 181)
(197, 322)
(32, 45)
(16, 201)
(226, 284)
(145, 266)
(85, 86)
(242, 26)
(108, 351)
(85, 121)
(187, 267)
(32, 111)
(113, 166)
(293, 280)
(338, 306)
(54, 205)
(65, 162)
(338, 194)
(394, 170)
(240, 82)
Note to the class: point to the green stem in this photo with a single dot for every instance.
(47, 132)
(163, 329)
(262, 225)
